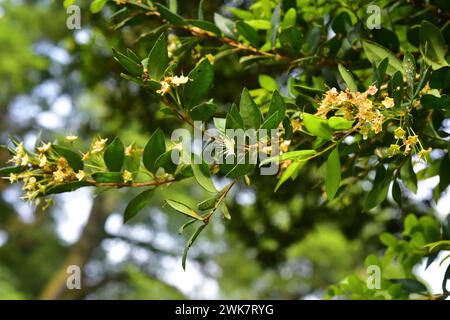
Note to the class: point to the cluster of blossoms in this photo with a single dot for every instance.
(408, 143)
(356, 106)
(46, 168)
(169, 82)
(41, 170)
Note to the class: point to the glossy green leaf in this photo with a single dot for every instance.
(184, 209)
(432, 45)
(158, 58)
(73, 158)
(379, 189)
(201, 80)
(129, 64)
(249, 111)
(137, 204)
(250, 34)
(155, 147)
(108, 177)
(376, 53)
(203, 176)
(317, 126)
(114, 155)
(348, 78)
(333, 174)
(339, 123)
(97, 5)
(203, 112)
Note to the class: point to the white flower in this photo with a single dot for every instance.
(388, 102)
(179, 80)
(44, 147)
(127, 176)
(80, 175)
(42, 160)
(99, 145)
(372, 90)
(165, 87)
(71, 138)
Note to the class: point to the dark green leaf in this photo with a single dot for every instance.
(201, 80)
(379, 190)
(114, 155)
(155, 147)
(108, 177)
(203, 112)
(408, 176)
(432, 45)
(203, 176)
(333, 174)
(130, 65)
(137, 204)
(250, 34)
(74, 159)
(376, 53)
(158, 58)
(409, 64)
(169, 15)
(249, 111)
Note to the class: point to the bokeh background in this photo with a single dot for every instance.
(286, 245)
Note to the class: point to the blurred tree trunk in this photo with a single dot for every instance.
(81, 251)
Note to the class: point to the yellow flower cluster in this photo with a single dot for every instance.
(409, 143)
(356, 106)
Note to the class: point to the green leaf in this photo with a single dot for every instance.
(339, 123)
(333, 174)
(169, 15)
(348, 78)
(409, 64)
(137, 204)
(129, 64)
(165, 161)
(388, 239)
(184, 209)
(248, 33)
(158, 58)
(440, 79)
(290, 171)
(203, 112)
(185, 225)
(431, 101)
(226, 212)
(397, 193)
(444, 173)
(190, 243)
(411, 285)
(201, 80)
(297, 155)
(225, 25)
(408, 176)
(381, 72)
(203, 176)
(432, 45)
(68, 3)
(155, 147)
(108, 177)
(234, 119)
(207, 204)
(317, 126)
(8, 170)
(205, 25)
(114, 155)
(376, 53)
(274, 25)
(249, 111)
(379, 189)
(74, 159)
(260, 24)
(97, 5)
(276, 113)
(267, 82)
(67, 187)
(397, 88)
